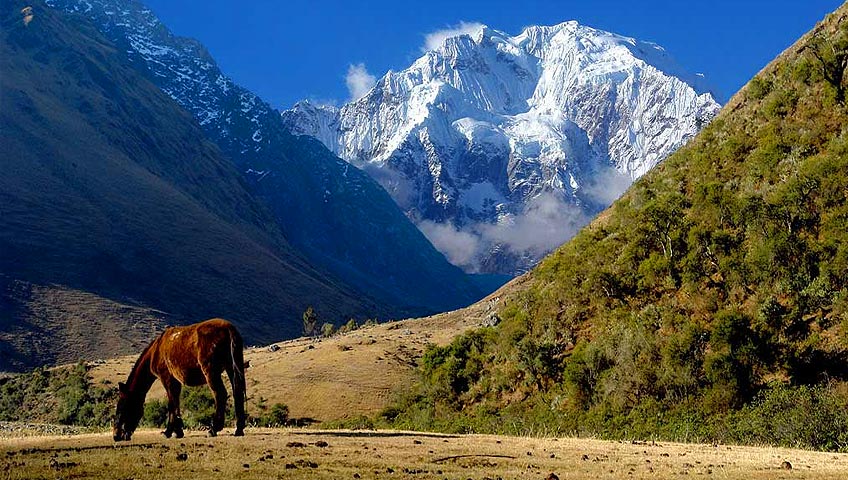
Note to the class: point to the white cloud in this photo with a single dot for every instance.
(435, 39)
(459, 247)
(546, 223)
(359, 81)
(607, 186)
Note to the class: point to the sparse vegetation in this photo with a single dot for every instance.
(64, 395)
(310, 322)
(830, 51)
(328, 330)
(315, 454)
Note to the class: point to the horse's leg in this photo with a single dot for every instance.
(220, 392)
(175, 421)
(239, 388)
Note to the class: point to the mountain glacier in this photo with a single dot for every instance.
(500, 147)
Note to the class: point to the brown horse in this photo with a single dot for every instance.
(191, 356)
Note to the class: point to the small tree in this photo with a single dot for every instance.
(328, 329)
(349, 326)
(278, 416)
(831, 54)
(310, 322)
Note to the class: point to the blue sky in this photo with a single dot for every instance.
(290, 50)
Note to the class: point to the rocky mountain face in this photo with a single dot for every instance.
(335, 214)
(117, 215)
(500, 147)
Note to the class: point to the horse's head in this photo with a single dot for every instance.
(127, 415)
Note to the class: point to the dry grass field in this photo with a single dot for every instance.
(343, 376)
(314, 454)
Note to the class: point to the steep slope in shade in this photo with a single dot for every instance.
(515, 141)
(337, 215)
(54, 324)
(708, 300)
(109, 187)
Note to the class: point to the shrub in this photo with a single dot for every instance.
(797, 417)
(63, 395)
(350, 326)
(759, 88)
(328, 330)
(155, 413)
(278, 415)
(197, 406)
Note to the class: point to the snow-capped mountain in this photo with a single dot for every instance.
(337, 216)
(499, 147)
(184, 69)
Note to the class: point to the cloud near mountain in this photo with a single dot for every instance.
(503, 136)
(359, 81)
(434, 40)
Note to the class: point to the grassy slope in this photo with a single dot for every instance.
(715, 287)
(337, 378)
(109, 188)
(340, 378)
(85, 325)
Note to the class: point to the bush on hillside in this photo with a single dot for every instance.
(712, 296)
(64, 395)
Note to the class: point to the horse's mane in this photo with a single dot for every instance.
(140, 359)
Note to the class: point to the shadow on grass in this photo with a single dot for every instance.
(116, 446)
(199, 436)
(373, 434)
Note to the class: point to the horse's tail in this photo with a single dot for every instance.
(237, 379)
(237, 356)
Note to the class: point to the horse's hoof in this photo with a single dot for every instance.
(212, 433)
(167, 434)
(239, 433)
(179, 434)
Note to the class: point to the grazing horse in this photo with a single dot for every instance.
(191, 355)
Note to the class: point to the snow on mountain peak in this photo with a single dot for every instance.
(488, 134)
(437, 39)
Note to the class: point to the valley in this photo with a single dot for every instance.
(696, 324)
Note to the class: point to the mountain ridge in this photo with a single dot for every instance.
(336, 215)
(113, 199)
(489, 132)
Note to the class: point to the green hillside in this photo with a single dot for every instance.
(710, 302)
